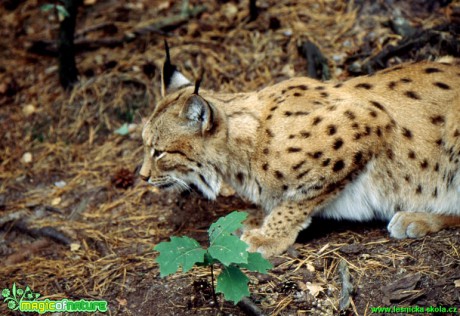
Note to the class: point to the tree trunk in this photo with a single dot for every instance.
(68, 73)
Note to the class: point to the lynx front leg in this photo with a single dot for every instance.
(279, 230)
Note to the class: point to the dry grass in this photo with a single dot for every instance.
(71, 139)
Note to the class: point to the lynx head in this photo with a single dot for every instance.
(181, 137)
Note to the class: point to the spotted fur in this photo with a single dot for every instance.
(385, 146)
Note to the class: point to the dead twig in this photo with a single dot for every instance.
(161, 27)
(47, 231)
(248, 306)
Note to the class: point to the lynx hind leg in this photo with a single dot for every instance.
(254, 220)
(418, 224)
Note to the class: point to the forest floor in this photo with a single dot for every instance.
(77, 223)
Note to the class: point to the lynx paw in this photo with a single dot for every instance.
(412, 225)
(265, 245)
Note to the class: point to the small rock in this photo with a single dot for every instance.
(29, 109)
(60, 184)
(27, 158)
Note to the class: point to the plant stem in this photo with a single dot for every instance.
(214, 296)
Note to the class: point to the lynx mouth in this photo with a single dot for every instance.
(161, 183)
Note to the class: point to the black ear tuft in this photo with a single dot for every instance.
(171, 78)
(198, 83)
(197, 86)
(168, 68)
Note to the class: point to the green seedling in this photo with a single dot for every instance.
(224, 248)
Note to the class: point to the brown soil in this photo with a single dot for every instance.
(75, 221)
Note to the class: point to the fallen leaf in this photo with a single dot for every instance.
(457, 283)
(314, 288)
(74, 246)
(29, 109)
(56, 201)
(122, 301)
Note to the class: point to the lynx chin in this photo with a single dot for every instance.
(385, 146)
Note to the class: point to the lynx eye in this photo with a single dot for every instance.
(157, 154)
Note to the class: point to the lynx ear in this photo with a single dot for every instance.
(171, 78)
(199, 113)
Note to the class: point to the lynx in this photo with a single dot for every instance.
(384, 146)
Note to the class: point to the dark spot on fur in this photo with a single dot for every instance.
(273, 108)
(301, 175)
(288, 113)
(302, 87)
(424, 164)
(279, 174)
(350, 114)
(440, 142)
(412, 95)
(355, 125)
(436, 167)
(319, 88)
(435, 192)
(357, 158)
(317, 154)
(297, 166)
(437, 120)
(419, 189)
(392, 85)
(294, 149)
(407, 178)
(431, 70)
(269, 116)
(331, 108)
(331, 129)
(240, 177)
(357, 136)
(338, 85)
(456, 133)
(269, 133)
(265, 166)
(326, 162)
(299, 113)
(406, 80)
(378, 105)
(411, 154)
(297, 94)
(266, 151)
(406, 133)
(305, 134)
(284, 187)
(390, 154)
(317, 120)
(368, 130)
(324, 94)
(378, 131)
(363, 85)
(338, 165)
(291, 136)
(373, 113)
(337, 144)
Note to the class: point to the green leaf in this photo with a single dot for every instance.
(123, 130)
(256, 263)
(233, 284)
(229, 249)
(226, 225)
(47, 7)
(179, 252)
(62, 11)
